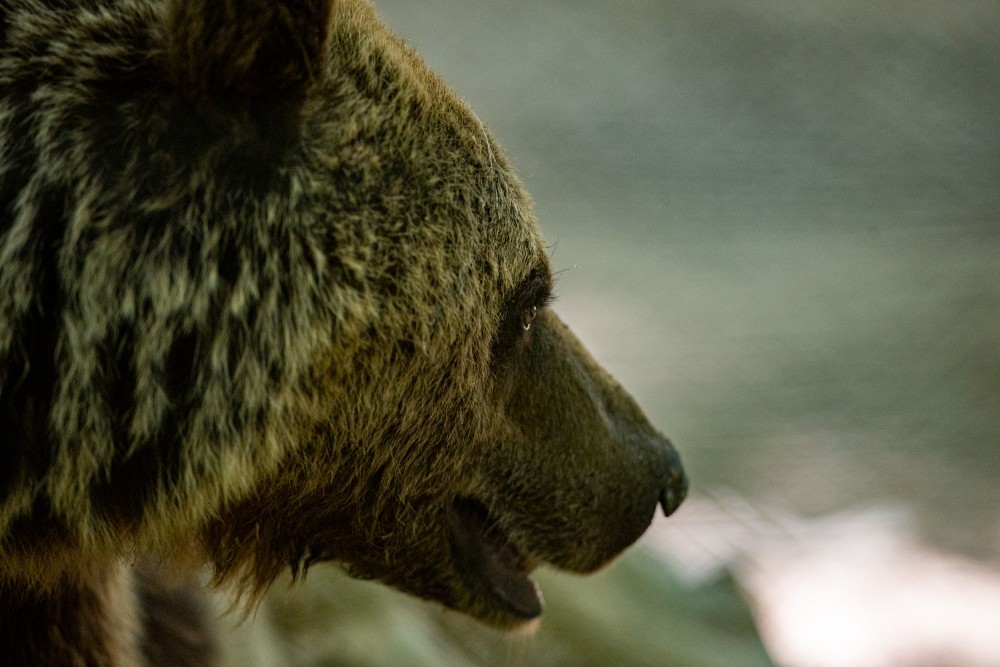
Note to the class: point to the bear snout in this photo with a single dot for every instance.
(592, 470)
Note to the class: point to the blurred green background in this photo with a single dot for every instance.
(778, 224)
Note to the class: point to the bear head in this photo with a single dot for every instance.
(280, 289)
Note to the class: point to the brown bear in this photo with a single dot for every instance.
(270, 294)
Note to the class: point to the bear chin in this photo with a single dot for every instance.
(493, 568)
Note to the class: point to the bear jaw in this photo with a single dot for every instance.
(492, 565)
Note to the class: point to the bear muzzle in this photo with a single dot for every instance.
(574, 481)
(495, 552)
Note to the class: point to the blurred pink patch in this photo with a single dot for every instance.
(854, 589)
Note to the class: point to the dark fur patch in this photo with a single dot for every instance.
(28, 374)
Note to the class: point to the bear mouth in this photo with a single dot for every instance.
(492, 566)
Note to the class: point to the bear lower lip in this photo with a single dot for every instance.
(491, 565)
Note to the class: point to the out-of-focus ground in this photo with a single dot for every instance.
(779, 227)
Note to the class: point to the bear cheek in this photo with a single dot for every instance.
(580, 471)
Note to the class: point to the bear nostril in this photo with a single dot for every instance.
(673, 495)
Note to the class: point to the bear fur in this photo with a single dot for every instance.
(270, 294)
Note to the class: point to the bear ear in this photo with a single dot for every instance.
(247, 49)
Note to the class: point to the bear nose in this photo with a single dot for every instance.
(673, 495)
(676, 488)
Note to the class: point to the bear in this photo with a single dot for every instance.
(272, 295)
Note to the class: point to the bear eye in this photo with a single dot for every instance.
(528, 316)
(520, 315)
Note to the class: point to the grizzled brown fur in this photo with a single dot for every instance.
(264, 284)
